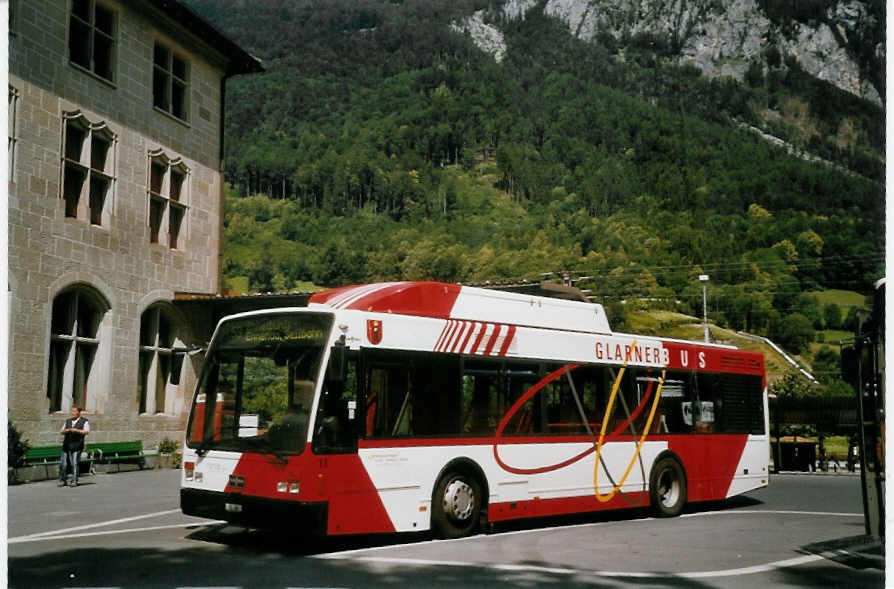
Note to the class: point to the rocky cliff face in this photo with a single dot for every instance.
(842, 44)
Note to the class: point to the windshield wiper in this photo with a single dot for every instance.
(203, 447)
(265, 444)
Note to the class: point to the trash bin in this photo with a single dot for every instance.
(799, 456)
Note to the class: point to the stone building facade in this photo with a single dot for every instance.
(115, 204)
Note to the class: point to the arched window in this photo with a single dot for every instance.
(160, 359)
(74, 341)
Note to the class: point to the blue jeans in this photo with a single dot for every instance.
(69, 458)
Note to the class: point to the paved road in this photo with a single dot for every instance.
(124, 530)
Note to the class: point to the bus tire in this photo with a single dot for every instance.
(667, 487)
(456, 505)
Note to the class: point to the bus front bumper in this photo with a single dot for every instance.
(256, 512)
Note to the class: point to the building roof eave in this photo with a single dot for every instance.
(238, 60)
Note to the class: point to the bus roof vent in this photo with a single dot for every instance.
(739, 363)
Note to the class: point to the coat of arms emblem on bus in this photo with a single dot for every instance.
(374, 331)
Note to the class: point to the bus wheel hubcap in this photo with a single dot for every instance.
(668, 488)
(459, 499)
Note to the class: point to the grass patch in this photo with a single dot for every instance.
(236, 284)
(665, 324)
(836, 446)
(833, 336)
(844, 298)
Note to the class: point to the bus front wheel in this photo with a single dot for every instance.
(667, 487)
(456, 505)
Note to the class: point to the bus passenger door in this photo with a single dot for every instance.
(341, 479)
(337, 422)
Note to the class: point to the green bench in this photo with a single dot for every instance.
(119, 452)
(48, 456)
(94, 453)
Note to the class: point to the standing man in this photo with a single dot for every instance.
(75, 429)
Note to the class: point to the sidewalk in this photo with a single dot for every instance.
(41, 472)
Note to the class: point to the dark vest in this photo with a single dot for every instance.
(74, 441)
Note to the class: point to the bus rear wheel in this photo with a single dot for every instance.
(456, 505)
(667, 487)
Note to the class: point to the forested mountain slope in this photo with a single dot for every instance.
(383, 143)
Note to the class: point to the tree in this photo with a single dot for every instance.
(794, 333)
(16, 446)
(808, 306)
(260, 275)
(826, 365)
(792, 386)
(832, 316)
(839, 388)
(617, 316)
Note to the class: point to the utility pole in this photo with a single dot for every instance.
(863, 366)
(703, 278)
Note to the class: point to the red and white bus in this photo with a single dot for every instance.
(410, 406)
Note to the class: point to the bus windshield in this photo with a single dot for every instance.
(257, 387)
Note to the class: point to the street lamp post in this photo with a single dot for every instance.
(703, 278)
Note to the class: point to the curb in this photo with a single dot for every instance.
(840, 473)
(39, 472)
(857, 552)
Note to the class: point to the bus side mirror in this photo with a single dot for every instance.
(337, 365)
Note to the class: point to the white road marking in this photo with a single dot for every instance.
(45, 538)
(99, 524)
(761, 568)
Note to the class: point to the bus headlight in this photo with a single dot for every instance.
(292, 487)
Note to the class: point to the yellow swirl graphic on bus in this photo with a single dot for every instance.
(597, 444)
(603, 498)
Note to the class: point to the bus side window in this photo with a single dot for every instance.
(388, 407)
(482, 399)
(434, 388)
(593, 389)
(562, 413)
(674, 414)
(708, 407)
(527, 419)
(743, 404)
